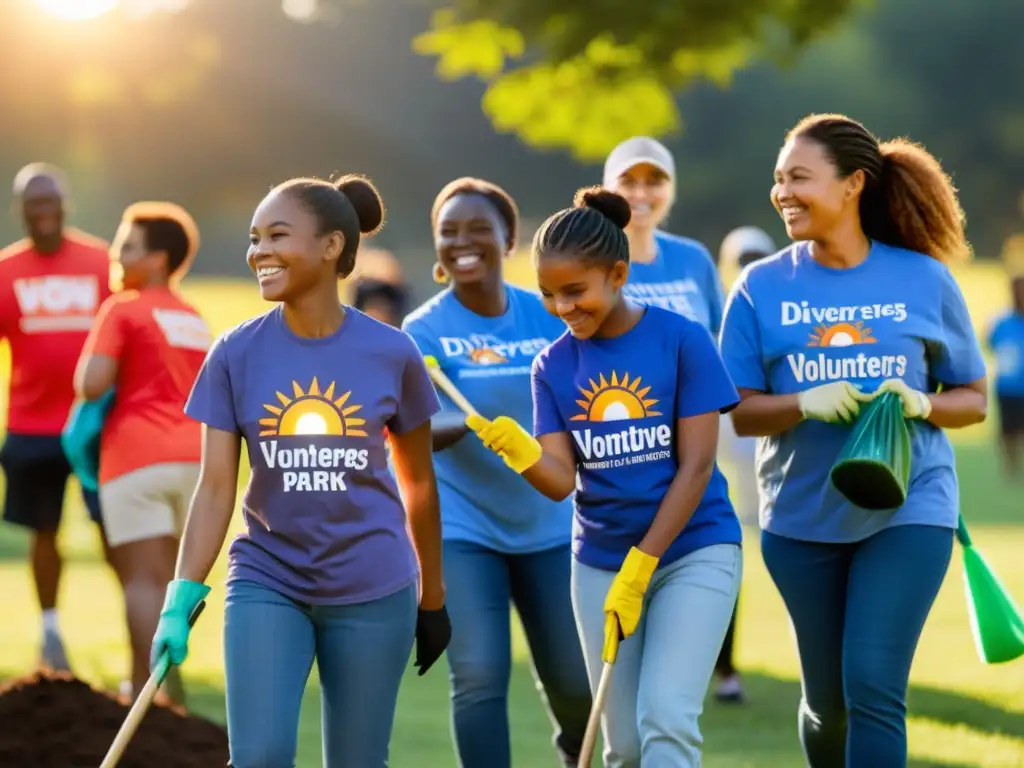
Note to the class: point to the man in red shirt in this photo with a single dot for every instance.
(51, 286)
(148, 344)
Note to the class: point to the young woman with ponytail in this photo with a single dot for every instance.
(862, 302)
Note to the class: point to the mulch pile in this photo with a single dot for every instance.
(57, 721)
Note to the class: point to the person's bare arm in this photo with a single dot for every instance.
(212, 505)
(957, 407)
(696, 445)
(446, 429)
(555, 474)
(411, 454)
(760, 414)
(95, 375)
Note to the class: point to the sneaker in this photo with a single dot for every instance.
(52, 653)
(730, 691)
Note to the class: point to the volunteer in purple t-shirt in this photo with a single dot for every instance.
(325, 569)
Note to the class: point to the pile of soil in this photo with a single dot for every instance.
(57, 721)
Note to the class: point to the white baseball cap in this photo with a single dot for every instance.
(742, 241)
(636, 151)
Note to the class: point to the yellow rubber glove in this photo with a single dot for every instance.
(625, 600)
(833, 402)
(517, 447)
(916, 404)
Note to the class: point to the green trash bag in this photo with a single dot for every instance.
(996, 622)
(873, 469)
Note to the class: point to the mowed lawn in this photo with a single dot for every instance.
(962, 713)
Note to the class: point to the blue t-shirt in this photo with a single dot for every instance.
(489, 360)
(620, 400)
(792, 324)
(324, 520)
(681, 278)
(1006, 340)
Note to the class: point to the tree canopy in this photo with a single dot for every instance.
(584, 74)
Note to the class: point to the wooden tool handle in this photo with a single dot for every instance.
(445, 385)
(594, 722)
(143, 702)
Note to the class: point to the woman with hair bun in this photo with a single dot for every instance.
(863, 302)
(628, 401)
(325, 569)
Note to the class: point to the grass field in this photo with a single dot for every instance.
(962, 713)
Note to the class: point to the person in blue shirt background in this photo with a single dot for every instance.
(503, 541)
(862, 302)
(1006, 340)
(626, 413)
(672, 272)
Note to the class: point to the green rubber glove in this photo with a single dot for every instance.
(172, 632)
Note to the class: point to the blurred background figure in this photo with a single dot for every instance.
(742, 246)
(51, 286)
(148, 345)
(1006, 340)
(381, 300)
(378, 286)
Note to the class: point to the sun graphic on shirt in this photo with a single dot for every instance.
(313, 413)
(841, 335)
(487, 356)
(615, 399)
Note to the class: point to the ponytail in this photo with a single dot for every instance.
(915, 205)
(908, 200)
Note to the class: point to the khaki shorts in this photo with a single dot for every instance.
(148, 503)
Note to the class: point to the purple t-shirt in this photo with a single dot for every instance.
(324, 520)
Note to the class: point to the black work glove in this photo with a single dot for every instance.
(433, 632)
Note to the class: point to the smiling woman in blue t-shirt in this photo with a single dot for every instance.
(626, 413)
(325, 569)
(863, 302)
(503, 542)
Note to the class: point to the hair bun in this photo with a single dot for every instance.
(611, 205)
(365, 199)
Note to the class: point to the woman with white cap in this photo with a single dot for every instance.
(665, 270)
(669, 271)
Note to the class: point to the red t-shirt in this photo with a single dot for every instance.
(159, 341)
(47, 306)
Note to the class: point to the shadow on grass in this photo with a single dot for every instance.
(767, 725)
(761, 733)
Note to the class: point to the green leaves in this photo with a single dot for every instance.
(581, 104)
(478, 48)
(598, 73)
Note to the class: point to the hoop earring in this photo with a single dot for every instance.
(440, 276)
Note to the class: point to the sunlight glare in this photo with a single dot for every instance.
(77, 10)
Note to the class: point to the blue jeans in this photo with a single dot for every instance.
(663, 670)
(480, 584)
(858, 610)
(270, 642)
